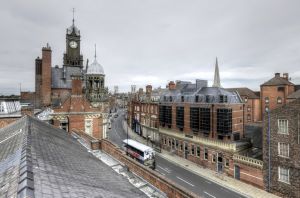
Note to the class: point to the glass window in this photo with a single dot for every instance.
(213, 159)
(198, 151)
(205, 154)
(283, 175)
(193, 149)
(279, 100)
(246, 99)
(267, 100)
(283, 149)
(283, 126)
(226, 162)
(88, 126)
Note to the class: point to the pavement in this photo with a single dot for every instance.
(223, 182)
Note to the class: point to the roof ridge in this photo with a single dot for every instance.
(26, 184)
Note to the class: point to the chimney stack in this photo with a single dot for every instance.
(277, 74)
(76, 85)
(148, 90)
(285, 76)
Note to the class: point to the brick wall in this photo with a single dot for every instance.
(157, 180)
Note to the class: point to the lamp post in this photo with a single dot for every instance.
(269, 150)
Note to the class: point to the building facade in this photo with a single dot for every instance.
(281, 148)
(77, 96)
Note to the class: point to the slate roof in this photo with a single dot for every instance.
(294, 95)
(277, 80)
(244, 91)
(61, 77)
(38, 160)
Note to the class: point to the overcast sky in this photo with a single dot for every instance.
(153, 41)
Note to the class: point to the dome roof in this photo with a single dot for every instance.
(95, 68)
(73, 28)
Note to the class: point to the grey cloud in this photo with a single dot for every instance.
(158, 40)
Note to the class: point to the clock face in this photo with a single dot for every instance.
(73, 44)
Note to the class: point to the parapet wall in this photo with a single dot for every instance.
(170, 188)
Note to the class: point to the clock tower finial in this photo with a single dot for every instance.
(73, 15)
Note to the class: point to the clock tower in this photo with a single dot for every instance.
(72, 57)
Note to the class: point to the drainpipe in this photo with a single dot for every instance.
(269, 151)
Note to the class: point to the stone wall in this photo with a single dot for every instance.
(6, 121)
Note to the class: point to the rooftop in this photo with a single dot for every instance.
(38, 160)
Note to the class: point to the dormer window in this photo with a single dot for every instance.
(246, 99)
(170, 98)
(182, 98)
(207, 98)
(222, 98)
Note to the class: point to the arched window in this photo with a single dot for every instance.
(279, 100)
(267, 100)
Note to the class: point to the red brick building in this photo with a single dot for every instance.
(251, 99)
(77, 95)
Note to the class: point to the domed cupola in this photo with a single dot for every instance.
(95, 68)
(95, 81)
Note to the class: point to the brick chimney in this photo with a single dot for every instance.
(172, 85)
(285, 76)
(45, 88)
(76, 85)
(277, 74)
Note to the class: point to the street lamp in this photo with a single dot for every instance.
(269, 149)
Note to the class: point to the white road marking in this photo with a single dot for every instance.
(160, 172)
(207, 182)
(164, 169)
(185, 181)
(209, 194)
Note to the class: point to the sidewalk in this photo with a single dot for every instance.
(223, 180)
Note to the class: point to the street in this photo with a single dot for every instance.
(179, 175)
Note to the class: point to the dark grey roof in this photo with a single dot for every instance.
(294, 95)
(244, 91)
(297, 87)
(277, 80)
(61, 77)
(38, 158)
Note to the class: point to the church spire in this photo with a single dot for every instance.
(217, 75)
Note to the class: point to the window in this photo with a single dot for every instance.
(173, 143)
(89, 126)
(283, 149)
(180, 117)
(248, 117)
(224, 121)
(283, 175)
(283, 126)
(198, 151)
(246, 99)
(248, 108)
(226, 162)
(267, 100)
(205, 154)
(194, 119)
(222, 99)
(197, 99)
(180, 147)
(213, 159)
(170, 98)
(204, 124)
(193, 149)
(279, 100)
(182, 98)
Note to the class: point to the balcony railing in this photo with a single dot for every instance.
(248, 161)
(230, 146)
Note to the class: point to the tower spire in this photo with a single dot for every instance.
(217, 75)
(73, 15)
(95, 52)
